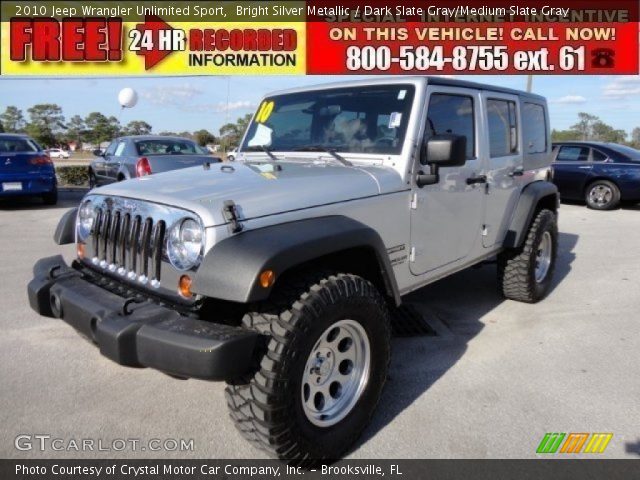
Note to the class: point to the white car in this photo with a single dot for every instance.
(58, 153)
(231, 154)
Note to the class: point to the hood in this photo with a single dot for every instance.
(258, 189)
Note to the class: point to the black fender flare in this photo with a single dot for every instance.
(66, 230)
(530, 196)
(230, 270)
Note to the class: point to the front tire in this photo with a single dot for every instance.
(323, 371)
(525, 273)
(602, 195)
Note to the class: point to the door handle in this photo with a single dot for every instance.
(517, 172)
(479, 179)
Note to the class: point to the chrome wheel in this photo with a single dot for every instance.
(600, 195)
(543, 257)
(336, 373)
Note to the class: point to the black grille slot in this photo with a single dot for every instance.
(145, 246)
(158, 241)
(129, 244)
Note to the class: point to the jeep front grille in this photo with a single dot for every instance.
(128, 244)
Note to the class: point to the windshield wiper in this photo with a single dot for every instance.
(322, 148)
(263, 148)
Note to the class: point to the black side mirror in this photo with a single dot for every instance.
(446, 150)
(98, 153)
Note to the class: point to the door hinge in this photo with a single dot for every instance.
(412, 254)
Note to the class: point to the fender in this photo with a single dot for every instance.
(230, 270)
(530, 197)
(66, 230)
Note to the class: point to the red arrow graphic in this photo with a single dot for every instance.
(153, 56)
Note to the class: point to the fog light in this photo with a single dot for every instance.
(184, 286)
(80, 250)
(267, 278)
(56, 306)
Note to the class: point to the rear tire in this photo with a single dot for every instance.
(312, 395)
(51, 198)
(525, 273)
(602, 195)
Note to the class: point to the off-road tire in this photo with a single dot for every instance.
(614, 201)
(516, 267)
(266, 406)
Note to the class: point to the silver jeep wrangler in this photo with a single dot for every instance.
(276, 273)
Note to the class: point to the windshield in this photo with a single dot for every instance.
(168, 147)
(358, 120)
(18, 145)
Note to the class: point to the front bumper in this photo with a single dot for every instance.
(140, 333)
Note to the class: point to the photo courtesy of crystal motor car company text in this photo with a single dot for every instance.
(364, 232)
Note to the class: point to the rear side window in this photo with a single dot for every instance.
(573, 154)
(598, 156)
(452, 114)
(534, 128)
(166, 147)
(503, 128)
(17, 145)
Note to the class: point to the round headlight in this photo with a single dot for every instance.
(184, 244)
(86, 217)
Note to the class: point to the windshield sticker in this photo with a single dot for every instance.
(395, 119)
(402, 94)
(264, 112)
(262, 136)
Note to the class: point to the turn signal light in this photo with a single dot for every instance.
(80, 250)
(267, 278)
(184, 286)
(143, 167)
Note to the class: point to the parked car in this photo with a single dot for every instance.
(26, 169)
(231, 154)
(601, 174)
(58, 153)
(276, 273)
(140, 155)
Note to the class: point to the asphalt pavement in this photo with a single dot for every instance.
(497, 376)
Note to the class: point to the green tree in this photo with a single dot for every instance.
(231, 133)
(137, 127)
(185, 134)
(602, 132)
(76, 129)
(202, 137)
(100, 128)
(13, 120)
(635, 137)
(167, 133)
(46, 123)
(564, 135)
(584, 127)
(1, 128)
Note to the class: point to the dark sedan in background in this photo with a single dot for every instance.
(601, 174)
(26, 169)
(137, 156)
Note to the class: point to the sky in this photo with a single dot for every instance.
(192, 103)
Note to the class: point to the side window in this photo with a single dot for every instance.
(452, 114)
(111, 148)
(503, 128)
(573, 154)
(598, 156)
(534, 128)
(120, 149)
